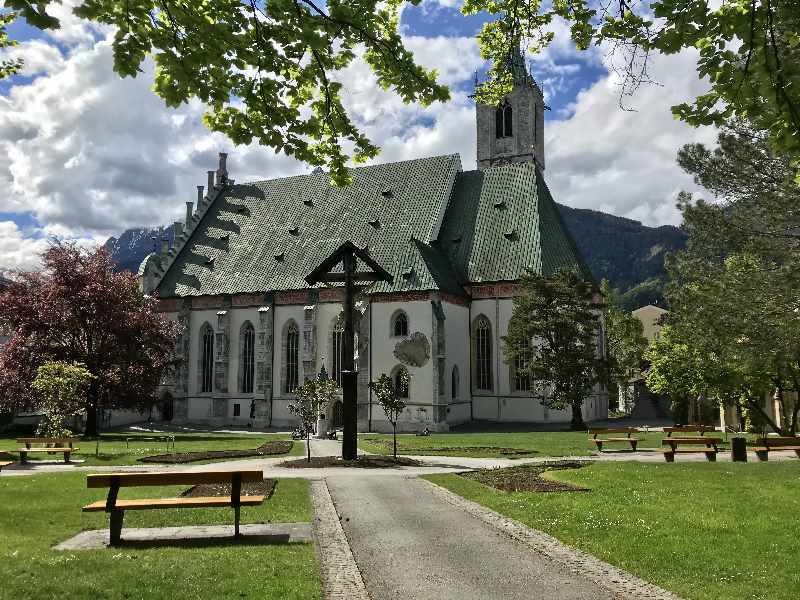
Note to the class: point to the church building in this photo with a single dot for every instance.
(455, 241)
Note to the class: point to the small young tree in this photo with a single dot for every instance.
(391, 399)
(311, 399)
(62, 388)
(553, 331)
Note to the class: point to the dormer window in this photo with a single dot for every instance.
(503, 120)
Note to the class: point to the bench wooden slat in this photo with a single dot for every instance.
(614, 430)
(688, 450)
(691, 440)
(689, 428)
(155, 503)
(778, 441)
(169, 478)
(625, 439)
(54, 440)
(67, 450)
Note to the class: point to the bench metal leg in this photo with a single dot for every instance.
(23, 457)
(633, 446)
(236, 514)
(763, 455)
(669, 456)
(711, 456)
(116, 517)
(66, 457)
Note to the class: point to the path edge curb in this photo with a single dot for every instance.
(622, 584)
(341, 578)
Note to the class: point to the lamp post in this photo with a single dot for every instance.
(349, 256)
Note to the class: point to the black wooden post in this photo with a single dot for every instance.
(348, 255)
(349, 387)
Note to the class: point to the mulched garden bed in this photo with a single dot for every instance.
(255, 488)
(363, 462)
(460, 449)
(268, 449)
(527, 478)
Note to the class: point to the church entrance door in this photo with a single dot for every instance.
(338, 414)
(167, 407)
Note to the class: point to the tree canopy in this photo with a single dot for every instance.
(78, 310)
(733, 291)
(270, 71)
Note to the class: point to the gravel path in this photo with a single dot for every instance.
(411, 544)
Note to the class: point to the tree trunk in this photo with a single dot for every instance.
(577, 423)
(394, 439)
(92, 399)
(308, 446)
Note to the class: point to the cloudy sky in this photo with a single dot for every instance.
(85, 155)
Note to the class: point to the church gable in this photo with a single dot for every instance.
(503, 221)
(268, 235)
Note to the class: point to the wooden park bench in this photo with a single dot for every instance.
(710, 443)
(766, 445)
(62, 445)
(599, 441)
(116, 508)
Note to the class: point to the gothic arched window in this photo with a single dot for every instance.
(247, 355)
(503, 120)
(206, 358)
(292, 362)
(483, 354)
(399, 324)
(454, 383)
(520, 376)
(337, 346)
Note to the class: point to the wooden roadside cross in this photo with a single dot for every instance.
(348, 255)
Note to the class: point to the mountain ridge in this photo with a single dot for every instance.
(623, 251)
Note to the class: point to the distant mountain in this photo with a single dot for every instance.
(630, 255)
(625, 252)
(129, 249)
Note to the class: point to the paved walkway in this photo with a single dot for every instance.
(410, 544)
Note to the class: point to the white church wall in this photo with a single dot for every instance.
(456, 326)
(419, 410)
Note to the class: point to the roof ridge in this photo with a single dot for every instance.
(358, 168)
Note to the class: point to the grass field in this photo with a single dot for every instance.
(704, 531)
(36, 512)
(114, 450)
(490, 445)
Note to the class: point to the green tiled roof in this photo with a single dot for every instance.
(301, 220)
(503, 221)
(430, 225)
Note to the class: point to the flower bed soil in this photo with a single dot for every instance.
(363, 462)
(527, 478)
(268, 449)
(460, 449)
(255, 488)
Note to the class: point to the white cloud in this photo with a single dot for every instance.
(18, 252)
(623, 162)
(89, 154)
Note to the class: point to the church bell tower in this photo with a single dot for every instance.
(514, 131)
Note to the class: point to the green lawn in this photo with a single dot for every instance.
(36, 512)
(704, 531)
(539, 443)
(115, 451)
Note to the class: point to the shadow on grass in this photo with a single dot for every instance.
(274, 539)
